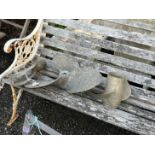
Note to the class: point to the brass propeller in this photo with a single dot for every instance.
(117, 89)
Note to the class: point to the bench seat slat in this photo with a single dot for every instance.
(127, 107)
(117, 117)
(138, 93)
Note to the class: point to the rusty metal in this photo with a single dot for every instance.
(20, 50)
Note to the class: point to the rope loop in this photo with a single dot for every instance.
(35, 122)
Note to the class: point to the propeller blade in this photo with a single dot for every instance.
(83, 79)
(127, 91)
(62, 62)
(41, 81)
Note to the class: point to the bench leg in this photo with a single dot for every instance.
(16, 98)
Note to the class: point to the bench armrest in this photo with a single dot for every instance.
(25, 50)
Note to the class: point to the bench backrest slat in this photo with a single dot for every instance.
(109, 59)
(139, 38)
(121, 48)
(139, 25)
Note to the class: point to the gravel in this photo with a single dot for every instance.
(62, 119)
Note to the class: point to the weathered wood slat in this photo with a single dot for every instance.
(117, 117)
(132, 101)
(94, 54)
(137, 24)
(138, 112)
(101, 42)
(145, 21)
(140, 97)
(140, 79)
(124, 35)
(91, 54)
(124, 25)
(142, 104)
(128, 107)
(138, 93)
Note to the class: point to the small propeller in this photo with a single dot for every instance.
(117, 89)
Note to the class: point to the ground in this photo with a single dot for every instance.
(62, 119)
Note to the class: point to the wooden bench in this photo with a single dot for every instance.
(123, 46)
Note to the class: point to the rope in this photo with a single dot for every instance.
(35, 122)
